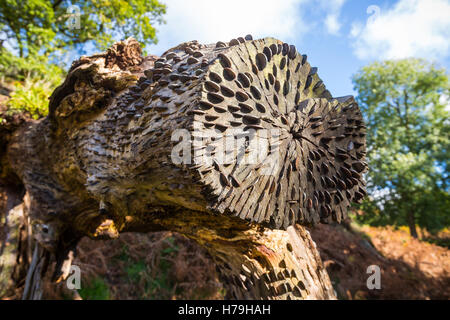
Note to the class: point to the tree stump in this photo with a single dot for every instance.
(236, 145)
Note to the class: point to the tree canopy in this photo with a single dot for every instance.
(46, 26)
(35, 34)
(406, 106)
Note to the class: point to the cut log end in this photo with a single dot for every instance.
(285, 151)
(269, 144)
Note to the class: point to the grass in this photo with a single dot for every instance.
(97, 289)
(152, 283)
(139, 275)
(160, 265)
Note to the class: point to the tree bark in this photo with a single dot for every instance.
(254, 262)
(15, 251)
(108, 159)
(412, 224)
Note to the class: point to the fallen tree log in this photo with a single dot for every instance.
(235, 145)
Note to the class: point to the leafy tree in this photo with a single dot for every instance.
(45, 26)
(39, 30)
(405, 103)
(32, 81)
(16, 68)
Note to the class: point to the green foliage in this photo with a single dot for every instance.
(96, 289)
(443, 242)
(30, 96)
(136, 271)
(46, 26)
(405, 104)
(33, 80)
(41, 30)
(35, 66)
(151, 284)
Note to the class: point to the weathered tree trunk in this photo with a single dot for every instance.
(16, 242)
(255, 262)
(139, 144)
(15, 251)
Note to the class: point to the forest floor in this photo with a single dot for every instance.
(166, 265)
(410, 268)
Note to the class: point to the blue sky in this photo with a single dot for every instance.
(339, 36)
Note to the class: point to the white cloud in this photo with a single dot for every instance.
(419, 28)
(209, 21)
(332, 24)
(333, 10)
(356, 29)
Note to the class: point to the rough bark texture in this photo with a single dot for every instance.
(105, 159)
(252, 261)
(15, 250)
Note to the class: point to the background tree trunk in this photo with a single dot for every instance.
(412, 224)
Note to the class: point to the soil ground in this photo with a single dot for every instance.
(166, 265)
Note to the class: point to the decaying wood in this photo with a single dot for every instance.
(15, 250)
(102, 162)
(255, 262)
(33, 289)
